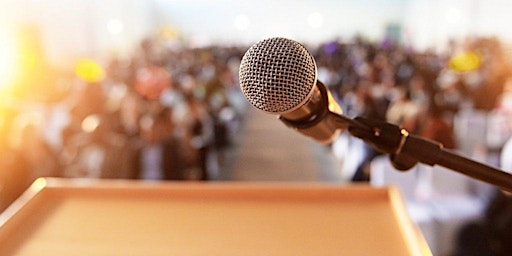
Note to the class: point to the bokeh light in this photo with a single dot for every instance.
(90, 123)
(89, 70)
(465, 62)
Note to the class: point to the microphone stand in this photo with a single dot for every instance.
(406, 150)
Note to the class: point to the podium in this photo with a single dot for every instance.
(119, 217)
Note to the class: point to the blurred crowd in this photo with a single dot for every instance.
(422, 92)
(167, 112)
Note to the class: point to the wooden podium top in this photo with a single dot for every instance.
(86, 217)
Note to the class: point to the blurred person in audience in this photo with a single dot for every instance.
(130, 112)
(36, 154)
(449, 95)
(88, 99)
(198, 136)
(491, 234)
(504, 102)
(158, 156)
(221, 114)
(96, 151)
(494, 70)
(403, 111)
(420, 93)
(436, 128)
(504, 108)
(369, 108)
(24, 156)
(15, 177)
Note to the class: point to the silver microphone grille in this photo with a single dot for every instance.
(277, 75)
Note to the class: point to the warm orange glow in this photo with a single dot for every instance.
(28, 59)
(22, 64)
(19, 126)
(335, 108)
(8, 60)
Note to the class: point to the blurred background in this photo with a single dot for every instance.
(133, 89)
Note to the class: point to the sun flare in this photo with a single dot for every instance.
(8, 61)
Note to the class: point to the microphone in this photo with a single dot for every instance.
(279, 76)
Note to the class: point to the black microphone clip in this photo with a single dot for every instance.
(405, 150)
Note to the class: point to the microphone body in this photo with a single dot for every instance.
(314, 119)
(279, 76)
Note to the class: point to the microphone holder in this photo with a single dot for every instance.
(406, 150)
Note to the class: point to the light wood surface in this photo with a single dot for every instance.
(81, 217)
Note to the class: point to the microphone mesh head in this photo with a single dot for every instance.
(277, 75)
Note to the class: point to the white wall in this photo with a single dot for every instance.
(77, 28)
(304, 20)
(432, 22)
(80, 28)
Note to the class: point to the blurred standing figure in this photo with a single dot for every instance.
(504, 107)
(436, 128)
(200, 134)
(14, 176)
(157, 157)
(89, 99)
(492, 234)
(369, 108)
(37, 154)
(403, 111)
